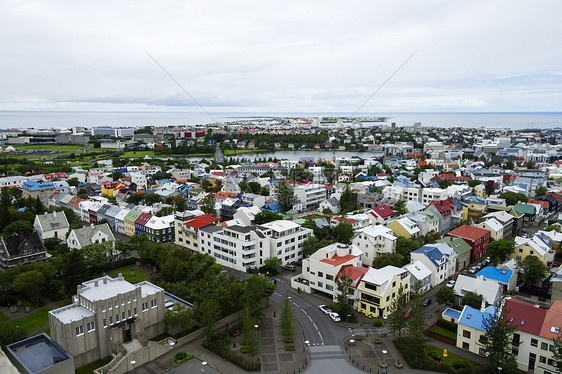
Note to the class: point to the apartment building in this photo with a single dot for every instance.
(247, 247)
(107, 312)
(477, 238)
(310, 195)
(431, 194)
(187, 226)
(374, 241)
(33, 189)
(160, 229)
(379, 287)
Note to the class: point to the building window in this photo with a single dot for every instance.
(135, 311)
(534, 342)
(482, 352)
(153, 303)
(103, 308)
(123, 301)
(465, 345)
(79, 330)
(466, 334)
(544, 346)
(91, 326)
(109, 305)
(134, 297)
(129, 313)
(104, 322)
(542, 359)
(144, 306)
(116, 318)
(128, 299)
(111, 320)
(123, 315)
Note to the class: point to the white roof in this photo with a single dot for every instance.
(332, 248)
(281, 225)
(378, 230)
(501, 216)
(107, 287)
(494, 224)
(158, 223)
(71, 313)
(410, 226)
(488, 288)
(381, 276)
(148, 288)
(541, 250)
(418, 270)
(122, 213)
(554, 235)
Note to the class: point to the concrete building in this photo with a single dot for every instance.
(16, 181)
(39, 354)
(187, 226)
(378, 289)
(106, 313)
(374, 241)
(160, 229)
(34, 189)
(310, 195)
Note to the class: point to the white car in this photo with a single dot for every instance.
(451, 284)
(473, 270)
(325, 309)
(335, 317)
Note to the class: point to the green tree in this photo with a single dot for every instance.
(287, 318)
(265, 217)
(511, 198)
(10, 334)
(552, 228)
(445, 296)
(30, 284)
(346, 202)
(285, 195)
(474, 182)
(272, 265)
(344, 303)
(74, 272)
(209, 313)
(489, 188)
(497, 342)
(249, 334)
(405, 246)
(180, 316)
(540, 191)
(557, 353)
(18, 227)
(258, 288)
(509, 165)
(385, 259)
(73, 182)
(533, 270)
(39, 207)
(472, 299)
(396, 321)
(208, 206)
(96, 256)
(530, 164)
(181, 206)
(400, 207)
(499, 250)
(309, 245)
(343, 232)
(417, 324)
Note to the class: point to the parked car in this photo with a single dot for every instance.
(290, 267)
(325, 309)
(451, 283)
(473, 270)
(426, 302)
(335, 317)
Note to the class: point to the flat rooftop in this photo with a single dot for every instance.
(38, 353)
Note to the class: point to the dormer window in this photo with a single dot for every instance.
(555, 329)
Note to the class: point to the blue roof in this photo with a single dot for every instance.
(274, 206)
(433, 253)
(452, 313)
(500, 275)
(35, 186)
(475, 318)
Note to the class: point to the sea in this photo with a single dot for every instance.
(68, 119)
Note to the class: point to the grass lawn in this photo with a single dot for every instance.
(126, 271)
(3, 318)
(239, 151)
(452, 358)
(47, 331)
(33, 321)
(133, 154)
(88, 369)
(51, 147)
(444, 332)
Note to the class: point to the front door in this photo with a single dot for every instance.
(127, 335)
(532, 359)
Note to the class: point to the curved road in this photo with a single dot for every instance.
(325, 353)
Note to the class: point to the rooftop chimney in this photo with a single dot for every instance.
(55, 214)
(483, 306)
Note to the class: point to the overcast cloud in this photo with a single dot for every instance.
(281, 56)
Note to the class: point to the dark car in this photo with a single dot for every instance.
(426, 302)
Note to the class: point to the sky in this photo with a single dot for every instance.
(281, 56)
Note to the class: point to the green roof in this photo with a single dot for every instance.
(300, 221)
(458, 244)
(431, 217)
(525, 208)
(292, 212)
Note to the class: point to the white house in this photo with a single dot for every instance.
(374, 241)
(51, 225)
(84, 236)
(435, 260)
(246, 215)
(419, 273)
(489, 289)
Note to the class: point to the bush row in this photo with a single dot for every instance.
(447, 325)
(221, 349)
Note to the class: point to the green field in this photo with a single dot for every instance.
(126, 271)
(452, 358)
(33, 321)
(51, 147)
(444, 332)
(3, 318)
(88, 369)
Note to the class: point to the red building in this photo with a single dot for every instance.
(477, 238)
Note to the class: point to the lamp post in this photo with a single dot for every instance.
(499, 369)
(256, 327)
(306, 344)
(351, 342)
(133, 365)
(204, 363)
(384, 352)
(349, 315)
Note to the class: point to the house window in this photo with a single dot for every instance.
(534, 342)
(135, 311)
(320, 274)
(518, 258)
(104, 322)
(134, 297)
(153, 303)
(91, 326)
(128, 299)
(129, 313)
(482, 352)
(103, 308)
(79, 330)
(320, 284)
(465, 345)
(466, 334)
(544, 346)
(123, 315)
(542, 359)
(110, 306)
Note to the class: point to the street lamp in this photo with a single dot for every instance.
(133, 365)
(384, 352)
(256, 327)
(204, 363)
(499, 369)
(349, 315)
(306, 344)
(351, 342)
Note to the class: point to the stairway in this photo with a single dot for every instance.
(132, 346)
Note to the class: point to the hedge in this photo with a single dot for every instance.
(221, 349)
(447, 325)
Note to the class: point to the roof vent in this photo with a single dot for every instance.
(555, 329)
(522, 323)
(468, 317)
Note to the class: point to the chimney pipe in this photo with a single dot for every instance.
(483, 306)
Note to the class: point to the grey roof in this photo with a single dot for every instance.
(85, 233)
(211, 228)
(53, 221)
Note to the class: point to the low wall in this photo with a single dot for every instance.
(122, 363)
(296, 285)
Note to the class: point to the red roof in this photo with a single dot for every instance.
(383, 211)
(354, 272)
(143, 218)
(350, 221)
(453, 177)
(540, 202)
(522, 311)
(552, 319)
(445, 207)
(338, 260)
(469, 232)
(201, 221)
(556, 196)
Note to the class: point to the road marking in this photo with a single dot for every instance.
(311, 320)
(278, 294)
(315, 325)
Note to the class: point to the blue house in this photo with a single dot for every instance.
(505, 277)
(274, 207)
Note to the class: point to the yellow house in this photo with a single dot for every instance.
(129, 220)
(480, 190)
(109, 188)
(404, 227)
(378, 289)
(472, 210)
(529, 247)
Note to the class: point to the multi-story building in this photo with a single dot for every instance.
(477, 238)
(187, 226)
(461, 248)
(84, 236)
(15, 181)
(21, 249)
(321, 269)
(472, 328)
(107, 312)
(34, 189)
(532, 247)
(140, 223)
(404, 227)
(310, 195)
(507, 220)
(52, 225)
(436, 260)
(431, 194)
(129, 221)
(374, 241)
(247, 247)
(379, 287)
(420, 276)
(120, 220)
(160, 229)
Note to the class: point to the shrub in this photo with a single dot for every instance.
(377, 323)
(288, 339)
(289, 347)
(447, 325)
(245, 349)
(221, 349)
(181, 357)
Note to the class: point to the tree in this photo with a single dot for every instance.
(405, 246)
(396, 321)
(272, 265)
(510, 165)
(400, 207)
(530, 164)
(497, 341)
(499, 250)
(344, 304)
(489, 187)
(346, 202)
(249, 334)
(533, 270)
(209, 313)
(179, 315)
(287, 317)
(265, 217)
(446, 183)
(10, 333)
(208, 206)
(18, 227)
(74, 271)
(472, 299)
(511, 198)
(95, 256)
(540, 191)
(181, 206)
(343, 232)
(385, 259)
(258, 287)
(445, 296)
(309, 245)
(30, 284)
(285, 195)
(474, 182)
(39, 207)
(417, 324)
(552, 228)
(73, 182)
(557, 353)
